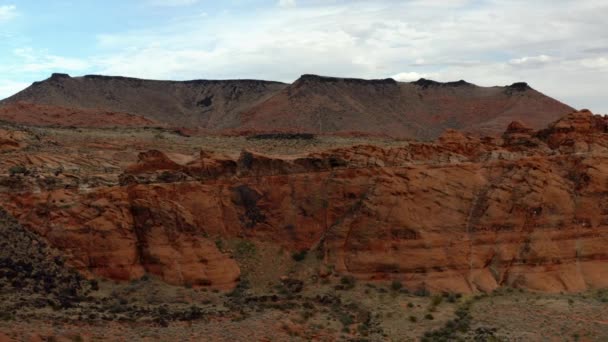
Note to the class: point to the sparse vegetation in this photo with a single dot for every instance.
(17, 169)
(396, 285)
(422, 292)
(299, 256)
(347, 283)
(245, 249)
(458, 325)
(219, 244)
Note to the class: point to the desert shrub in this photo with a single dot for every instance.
(191, 314)
(245, 249)
(452, 297)
(461, 324)
(240, 289)
(77, 338)
(17, 169)
(396, 285)
(348, 282)
(429, 317)
(422, 292)
(219, 244)
(413, 319)
(345, 318)
(6, 316)
(602, 295)
(436, 300)
(299, 256)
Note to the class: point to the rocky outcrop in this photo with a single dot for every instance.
(207, 104)
(312, 105)
(123, 233)
(460, 214)
(12, 140)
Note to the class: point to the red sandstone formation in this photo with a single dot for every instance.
(12, 140)
(461, 214)
(45, 115)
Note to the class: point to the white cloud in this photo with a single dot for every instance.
(38, 61)
(488, 42)
(172, 3)
(287, 3)
(531, 61)
(8, 88)
(595, 63)
(7, 12)
(413, 76)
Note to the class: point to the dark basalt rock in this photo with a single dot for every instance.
(191, 82)
(56, 76)
(326, 79)
(206, 102)
(424, 83)
(461, 83)
(519, 86)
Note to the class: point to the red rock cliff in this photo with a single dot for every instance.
(461, 214)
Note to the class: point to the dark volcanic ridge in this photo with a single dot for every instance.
(312, 104)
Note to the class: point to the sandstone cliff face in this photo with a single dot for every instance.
(12, 140)
(461, 214)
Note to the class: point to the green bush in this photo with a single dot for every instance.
(245, 249)
(348, 282)
(452, 297)
(396, 285)
(346, 319)
(299, 256)
(220, 245)
(422, 292)
(436, 300)
(17, 169)
(461, 324)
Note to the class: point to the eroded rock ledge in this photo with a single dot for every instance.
(461, 214)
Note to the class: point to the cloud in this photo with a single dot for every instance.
(38, 61)
(531, 61)
(595, 63)
(413, 76)
(8, 88)
(287, 3)
(7, 12)
(487, 42)
(172, 3)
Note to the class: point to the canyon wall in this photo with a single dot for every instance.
(460, 214)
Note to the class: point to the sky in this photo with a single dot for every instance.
(560, 47)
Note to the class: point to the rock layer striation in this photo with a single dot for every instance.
(460, 214)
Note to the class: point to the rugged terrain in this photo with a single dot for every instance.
(312, 104)
(169, 236)
(254, 210)
(200, 103)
